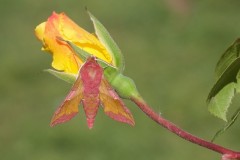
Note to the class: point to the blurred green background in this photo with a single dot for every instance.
(171, 48)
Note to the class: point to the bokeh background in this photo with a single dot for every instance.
(171, 48)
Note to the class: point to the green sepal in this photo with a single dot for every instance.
(108, 43)
(104, 64)
(83, 55)
(68, 77)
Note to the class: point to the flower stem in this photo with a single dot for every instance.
(180, 132)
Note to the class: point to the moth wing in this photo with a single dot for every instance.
(69, 108)
(113, 104)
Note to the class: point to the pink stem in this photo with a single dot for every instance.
(181, 133)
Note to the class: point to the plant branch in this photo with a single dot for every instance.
(183, 134)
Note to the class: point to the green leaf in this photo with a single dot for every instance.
(68, 77)
(228, 125)
(108, 43)
(227, 73)
(238, 83)
(219, 104)
(228, 76)
(230, 55)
